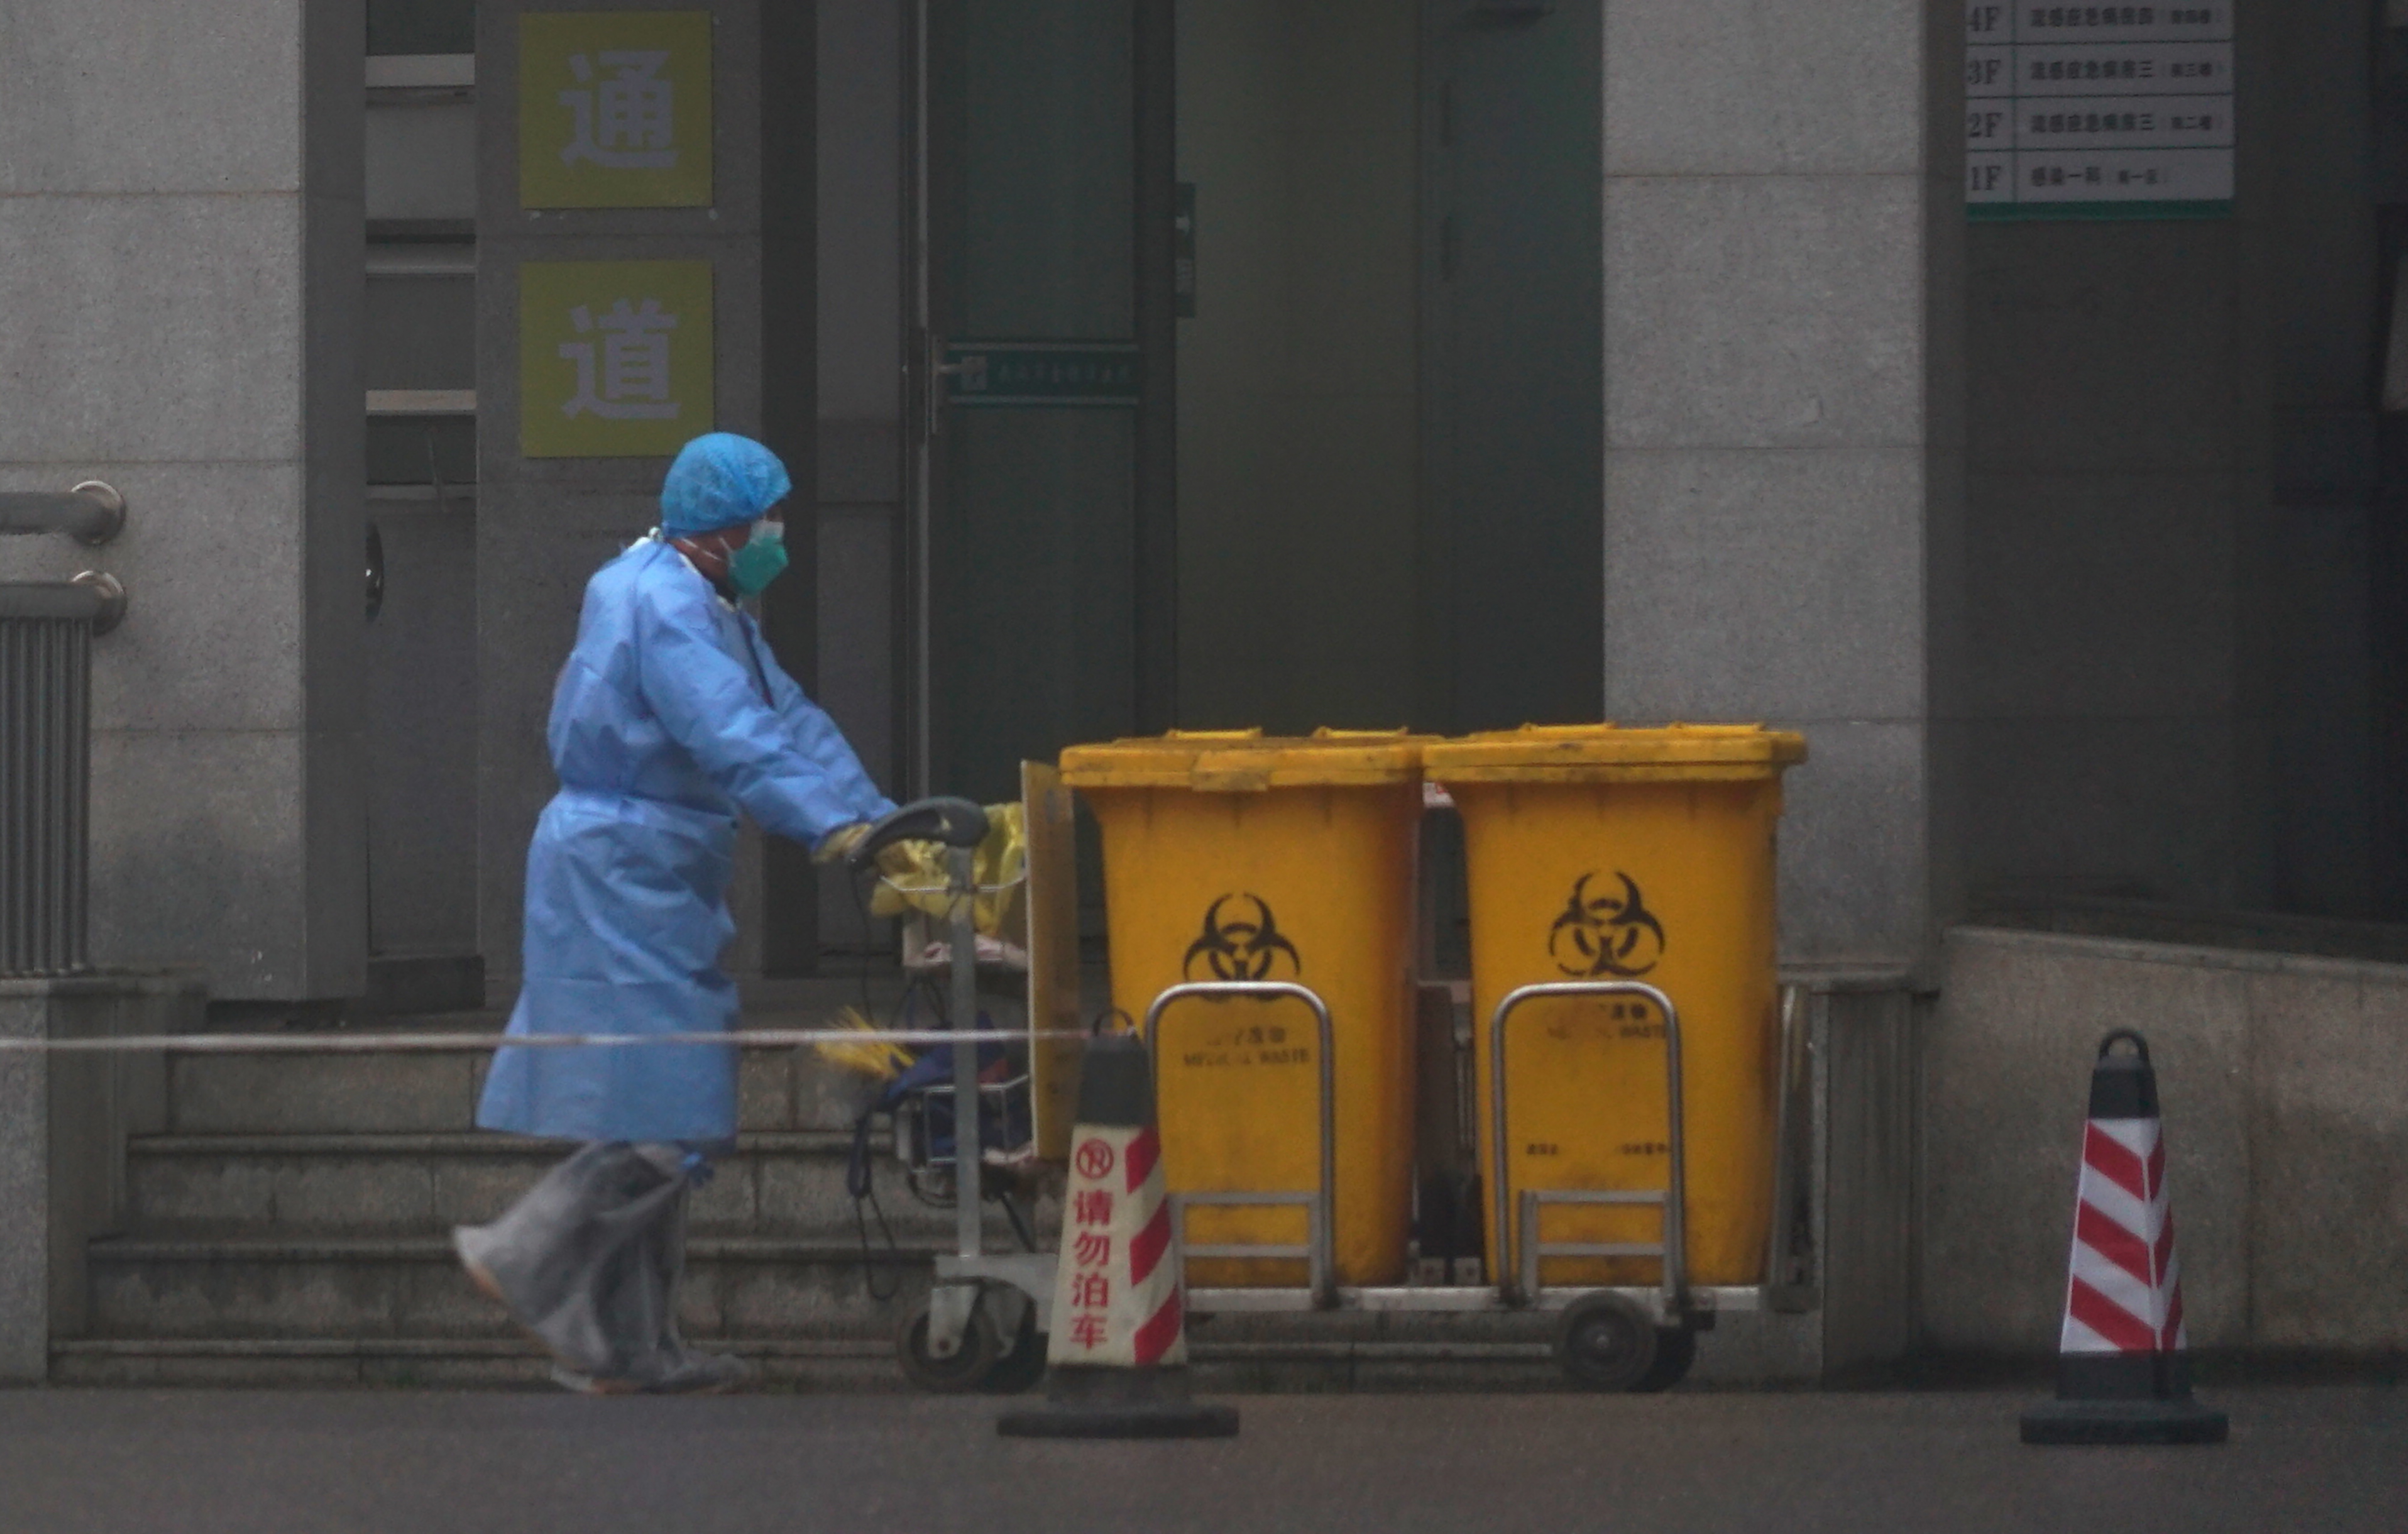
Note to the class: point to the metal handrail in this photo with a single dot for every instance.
(1322, 1234)
(92, 513)
(1675, 1196)
(91, 598)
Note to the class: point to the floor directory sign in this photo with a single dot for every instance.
(2097, 110)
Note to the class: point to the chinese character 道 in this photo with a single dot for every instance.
(632, 382)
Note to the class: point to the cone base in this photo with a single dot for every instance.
(1081, 1402)
(1121, 1419)
(2177, 1421)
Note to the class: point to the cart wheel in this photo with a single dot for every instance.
(1606, 1342)
(964, 1370)
(1676, 1349)
(1025, 1365)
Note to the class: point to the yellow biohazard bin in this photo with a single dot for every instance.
(1603, 854)
(1236, 856)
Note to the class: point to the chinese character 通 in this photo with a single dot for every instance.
(634, 376)
(631, 126)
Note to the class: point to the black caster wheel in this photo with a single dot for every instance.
(1607, 1342)
(967, 1369)
(1676, 1349)
(1025, 1365)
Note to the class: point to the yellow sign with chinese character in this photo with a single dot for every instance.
(614, 108)
(614, 357)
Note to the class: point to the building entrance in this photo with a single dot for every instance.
(1255, 378)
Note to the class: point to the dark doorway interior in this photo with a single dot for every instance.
(1256, 371)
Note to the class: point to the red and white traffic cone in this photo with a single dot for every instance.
(1116, 1367)
(2123, 1369)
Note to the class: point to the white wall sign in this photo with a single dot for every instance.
(2085, 111)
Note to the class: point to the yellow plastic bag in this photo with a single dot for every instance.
(876, 1059)
(998, 867)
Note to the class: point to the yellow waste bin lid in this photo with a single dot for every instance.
(1248, 761)
(1607, 754)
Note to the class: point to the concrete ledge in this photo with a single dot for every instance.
(2285, 1094)
(2156, 921)
(63, 1125)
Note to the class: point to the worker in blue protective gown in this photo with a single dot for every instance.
(670, 718)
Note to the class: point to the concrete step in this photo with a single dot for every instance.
(850, 1365)
(428, 1093)
(394, 1287)
(787, 1183)
(366, 1289)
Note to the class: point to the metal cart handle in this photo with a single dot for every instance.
(1323, 1233)
(956, 822)
(1676, 1193)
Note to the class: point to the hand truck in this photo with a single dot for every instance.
(1608, 1337)
(982, 1324)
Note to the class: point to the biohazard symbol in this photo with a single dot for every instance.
(1236, 947)
(1600, 935)
(1095, 1159)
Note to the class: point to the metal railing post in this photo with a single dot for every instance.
(1676, 1193)
(1321, 1231)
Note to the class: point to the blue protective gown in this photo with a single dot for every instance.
(669, 717)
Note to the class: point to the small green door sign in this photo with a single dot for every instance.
(1025, 374)
(614, 108)
(614, 357)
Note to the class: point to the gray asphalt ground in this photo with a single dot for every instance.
(2327, 1457)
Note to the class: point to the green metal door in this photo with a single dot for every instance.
(1033, 409)
(1512, 394)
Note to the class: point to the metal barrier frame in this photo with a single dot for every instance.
(1320, 1208)
(1524, 1285)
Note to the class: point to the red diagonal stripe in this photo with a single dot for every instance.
(1159, 1332)
(2166, 1247)
(2103, 1154)
(1143, 1152)
(1146, 1247)
(2113, 1243)
(2157, 1168)
(2128, 1332)
(2173, 1322)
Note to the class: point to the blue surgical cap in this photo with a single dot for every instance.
(721, 480)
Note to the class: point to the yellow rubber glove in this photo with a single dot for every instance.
(896, 860)
(840, 842)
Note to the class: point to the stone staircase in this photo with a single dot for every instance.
(290, 1227)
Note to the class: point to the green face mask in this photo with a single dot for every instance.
(750, 569)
